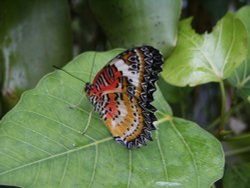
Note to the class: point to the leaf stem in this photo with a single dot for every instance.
(223, 107)
(237, 151)
(231, 111)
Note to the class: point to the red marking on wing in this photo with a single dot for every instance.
(104, 82)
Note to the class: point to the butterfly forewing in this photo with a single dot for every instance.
(122, 93)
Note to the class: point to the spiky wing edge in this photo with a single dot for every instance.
(153, 62)
(147, 127)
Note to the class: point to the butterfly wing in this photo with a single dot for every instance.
(122, 93)
(128, 121)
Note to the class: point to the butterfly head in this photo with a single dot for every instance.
(88, 88)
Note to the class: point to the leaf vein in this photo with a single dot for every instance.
(162, 156)
(37, 175)
(94, 167)
(241, 176)
(35, 132)
(214, 69)
(230, 48)
(57, 155)
(189, 151)
(9, 156)
(64, 170)
(50, 119)
(29, 144)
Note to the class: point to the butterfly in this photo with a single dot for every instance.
(122, 92)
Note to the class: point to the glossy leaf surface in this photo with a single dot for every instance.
(212, 57)
(143, 22)
(34, 36)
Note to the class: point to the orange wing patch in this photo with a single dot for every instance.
(126, 121)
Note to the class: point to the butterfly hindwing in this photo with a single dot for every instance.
(128, 122)
(122, 93)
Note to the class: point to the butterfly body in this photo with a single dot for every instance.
(122, 93)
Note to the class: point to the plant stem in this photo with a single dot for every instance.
(227, 115)
(183, 112)
(223, 106)
(237, 151)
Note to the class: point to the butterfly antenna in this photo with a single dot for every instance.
(93, 64)
(68, 73)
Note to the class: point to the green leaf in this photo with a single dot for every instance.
(34, 35)
(172, 93)
(240, 146)
(41, 144)
(240, 79)
(129, 23)
(86, 30)
(237, 176)
(200, 59)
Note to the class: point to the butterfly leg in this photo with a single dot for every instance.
(88, 122)
(78, 104)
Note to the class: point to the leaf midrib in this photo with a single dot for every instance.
(213, 68)
(190, 152)
(162, 156)
(246, 78)
(216, 72)
(230, 48)
(94, 143)
(59, 154)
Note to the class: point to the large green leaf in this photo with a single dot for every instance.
(41, 144)
(199, 59)
(34, 35)
(241, 76)
(131, 23)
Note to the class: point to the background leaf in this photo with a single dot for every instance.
(41, 144)
(240, 79)
(172, 93)
(237, 176)
(87, 33)
(211, 57)
(239, 146)
(128, 23)
(34, 35)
